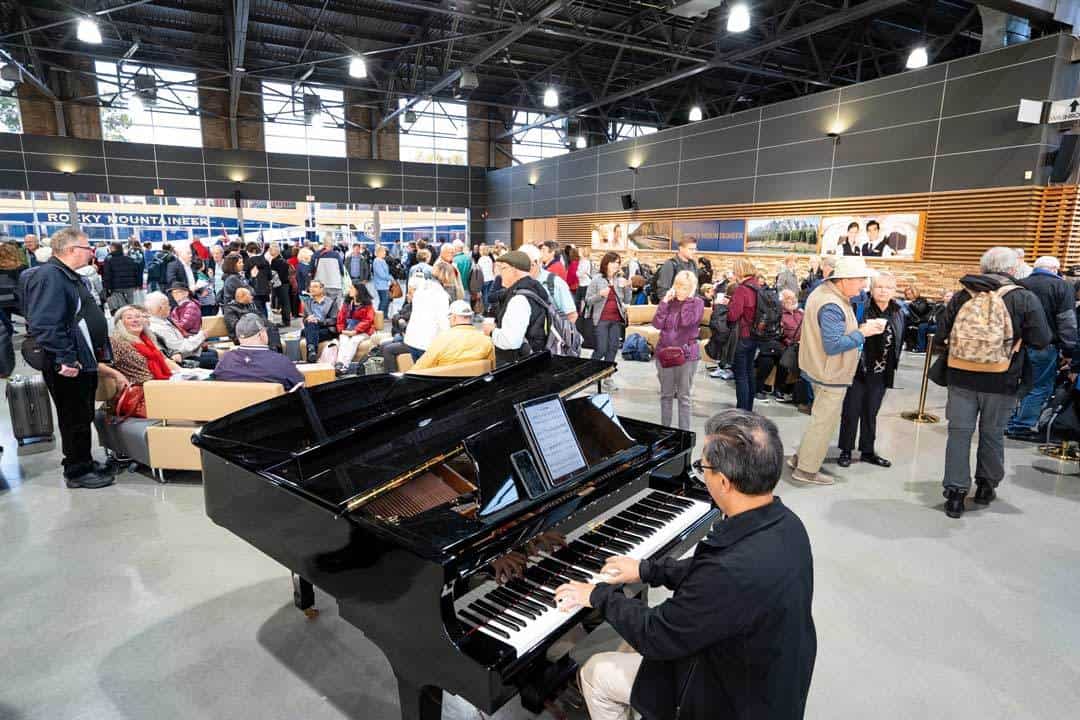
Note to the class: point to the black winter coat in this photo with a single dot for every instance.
(1058, 303)
(260, 284)
(736, 640)
(1028, 322)
(172, 270)
(121, 273)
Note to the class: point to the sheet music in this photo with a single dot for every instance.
(555, 438)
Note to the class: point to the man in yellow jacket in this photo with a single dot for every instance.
(460, 343)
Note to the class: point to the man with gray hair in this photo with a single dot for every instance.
(176, 345)
(254, 361)
(737, 639)
(976, 395)
(1056, 297)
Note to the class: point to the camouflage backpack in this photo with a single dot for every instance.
(981, 339)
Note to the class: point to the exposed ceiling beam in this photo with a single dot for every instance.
(76, 18)
(728, 59)
(236, 17)
(511, 37)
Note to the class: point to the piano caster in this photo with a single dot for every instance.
(304, 597)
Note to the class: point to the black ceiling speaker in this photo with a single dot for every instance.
(1064, 158)
(628, 202)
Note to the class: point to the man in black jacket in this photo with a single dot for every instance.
(121, 278)
(737, 639)
(986, 398)
(74, 336)
(1059, 308)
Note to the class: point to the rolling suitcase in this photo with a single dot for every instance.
(31, 413)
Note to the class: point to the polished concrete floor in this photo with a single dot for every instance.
(128, 603)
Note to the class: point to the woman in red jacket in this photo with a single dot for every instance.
(355, 323)
(741, 309)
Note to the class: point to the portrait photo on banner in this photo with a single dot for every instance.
(783, 235)
(888, 235)
(609, 236)
(727, 236)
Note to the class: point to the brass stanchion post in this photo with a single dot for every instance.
(921, 416)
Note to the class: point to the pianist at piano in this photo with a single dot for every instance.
(736, 640)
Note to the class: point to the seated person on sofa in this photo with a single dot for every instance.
(187, 315)
(254, 361)
(462, 342)
(135, 352)
(243, 302)
(169, 337)
(320, 313)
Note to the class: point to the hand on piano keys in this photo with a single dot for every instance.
(573, 596)
(621, 570)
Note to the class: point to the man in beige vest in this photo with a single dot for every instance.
(828, 356)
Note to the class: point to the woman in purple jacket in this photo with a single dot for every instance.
(677, 318)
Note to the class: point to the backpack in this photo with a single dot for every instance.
(563, 338)
(981, 339)
(476, 279)
(767, 315)
(157, 266)
(636, 348)
(397, 270)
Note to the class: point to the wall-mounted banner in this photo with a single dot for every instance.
(892, 235)
(651, 235)
(783, 235)
(727, 236)
(132, 218)
(609, 236)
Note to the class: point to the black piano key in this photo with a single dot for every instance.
(659, 503)
(511, 602)
(666, 500)
(497, 613)
(544, 577)
(478, 622)
(665, 512)
(618, 535)
(509, 608)
(536, 608)
(592, 550)
(602, 541)
(651, 511)
(579, 559)
(642, 520)
(676, 500)
(569, 571)
(535, 592)
(491, 617)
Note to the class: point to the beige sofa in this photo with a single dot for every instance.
(362, 350)
(463, 369)
(640, 319)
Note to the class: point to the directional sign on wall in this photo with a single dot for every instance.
(1064, 111)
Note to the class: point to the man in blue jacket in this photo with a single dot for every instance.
(737, 639)
(73, 334)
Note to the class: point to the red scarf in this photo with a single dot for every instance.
(155, 361)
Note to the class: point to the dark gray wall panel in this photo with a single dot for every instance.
(908, 176)
(996, 89)
(178, 154)
(578, 186)
(724, 192)
(234, 157)
(452, 172)
(11, 141)
(547, 191)
(904, 80)
(802, 156)
(734, 139)
(793, 128)
(75, 164)
(720, 168)
(287, 161)
(657, 153)
(12, 180)
(375, 182)
(619, 158)
(325, 177)
(419, 169)
(333, 164)
(375, 167)
(617, 182)
(521, 209)
(383, 196)
(658, 176)
(575, 167)
(296, 193)
(176, 171)
(574, 205)
(545, 208)
(61, 145)
(329, 194)
(457, 200)
(131, 151)
(793, 186)
(176, 188)
(288, 177)
(11, 161)
(917, 104)
(135, 186)
(815, 101)
(1004, 56)
(426, 184)
(655, 199)
(985, 130)
(133, 168)
(609, 202)
(908, 141)
(235, 173)
(1000, 168)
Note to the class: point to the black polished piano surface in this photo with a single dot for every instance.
(393, 494)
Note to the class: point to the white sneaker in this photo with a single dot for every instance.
(722, 374)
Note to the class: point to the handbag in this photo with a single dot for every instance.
(131, 403)
(939, 371)
(671, 356)
(789, 360)
(395, 291)
(32, 353)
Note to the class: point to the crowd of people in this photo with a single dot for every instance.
(828, 340)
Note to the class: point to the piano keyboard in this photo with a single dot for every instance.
(523, 612)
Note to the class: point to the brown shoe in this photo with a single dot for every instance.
(811, 478)
(804, 409)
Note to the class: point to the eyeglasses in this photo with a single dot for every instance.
(700, 467)
(82, 247)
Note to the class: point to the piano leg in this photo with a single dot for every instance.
(304, 596)
(419, 703)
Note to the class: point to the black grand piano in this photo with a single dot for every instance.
(394, 494)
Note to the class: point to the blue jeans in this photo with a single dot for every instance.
(744, 372)
(313, 335)
(384, 301)
(924, 328)
(607, 340)
(1043, 371)
(484, 290)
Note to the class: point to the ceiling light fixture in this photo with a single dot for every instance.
(695, 114)
(88, 31)
(582, 143)
(357, 67)
(918, 58)
(551, 98)
(738, 19)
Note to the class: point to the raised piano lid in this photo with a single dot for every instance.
(382, 426)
